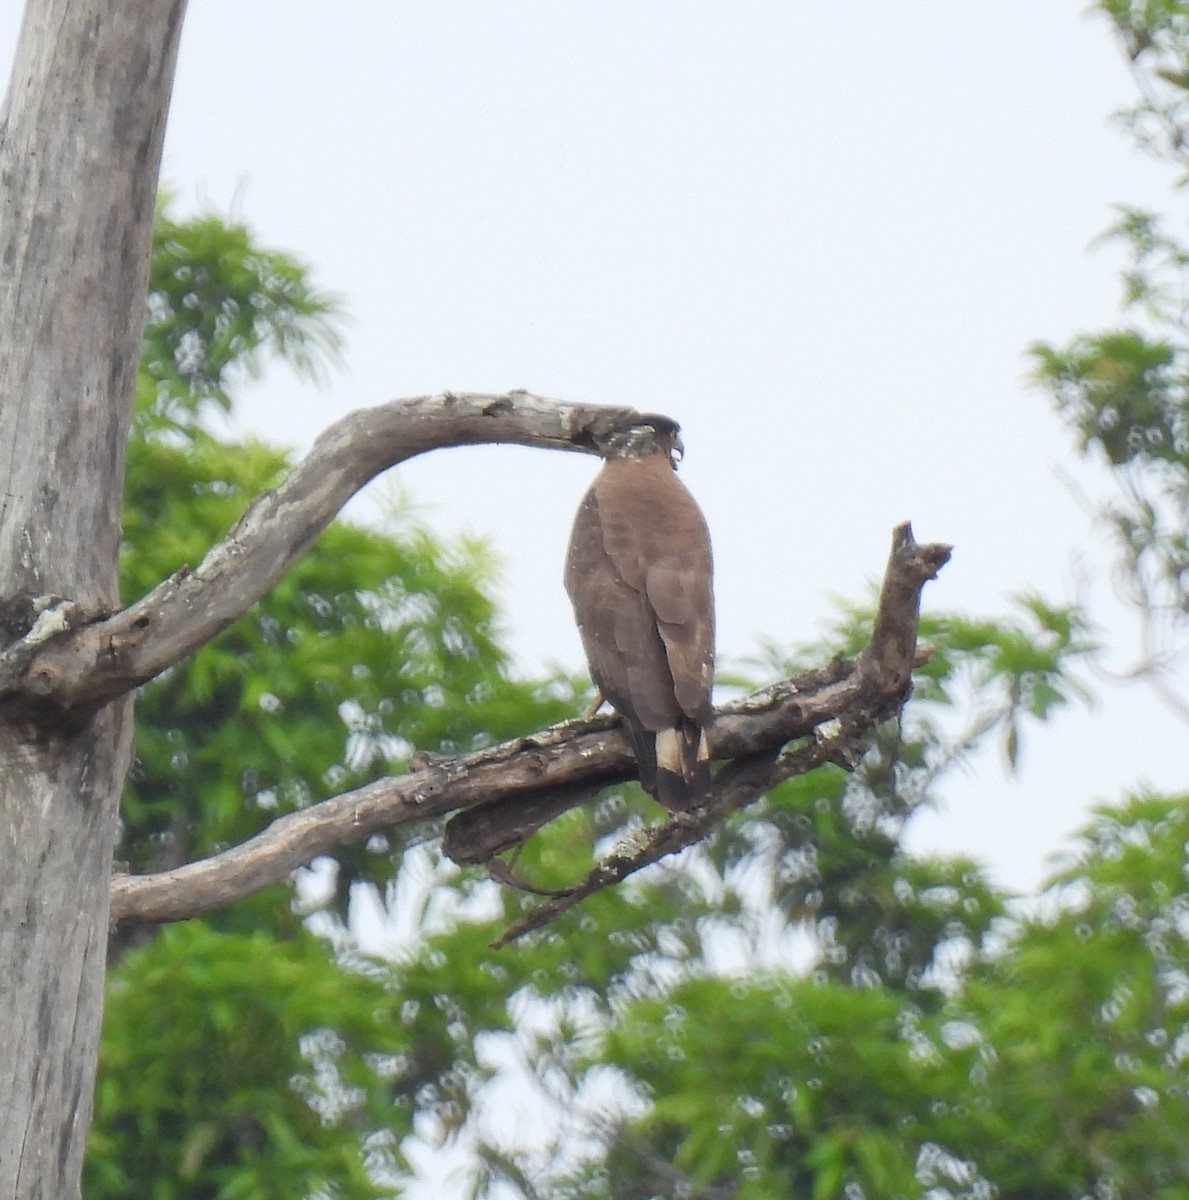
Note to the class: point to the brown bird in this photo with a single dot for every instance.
(640, 577)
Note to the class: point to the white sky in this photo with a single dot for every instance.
(821, 236)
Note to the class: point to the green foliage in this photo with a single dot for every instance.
(947, 1043)
(716, 1060)
(798, 1008)
(996, 673)
(768, 1088)
(1083, 1065)
(1017, 667)
(344, 668)
(1155, 36)
(830, 842)
(1125, 392)
(1128, 396)
(243, 1063)
(377, 643)
(218, 304)
(245, 1067)
(1057, 1067)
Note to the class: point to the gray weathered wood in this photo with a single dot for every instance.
(100, 659)
(79, 156)
(510, 789)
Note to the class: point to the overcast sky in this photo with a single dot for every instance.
(820, 236)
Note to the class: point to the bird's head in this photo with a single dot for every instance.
(651, 434)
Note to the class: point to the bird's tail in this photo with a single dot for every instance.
(682, 766)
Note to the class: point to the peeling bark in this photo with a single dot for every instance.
(80, 145)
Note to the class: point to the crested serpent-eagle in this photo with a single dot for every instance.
(640, 577)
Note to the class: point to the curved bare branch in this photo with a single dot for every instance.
(88, 665)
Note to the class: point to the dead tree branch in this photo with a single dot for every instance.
(513, 788)
(85, 666)
(877, 685)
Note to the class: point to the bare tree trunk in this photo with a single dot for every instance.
(79, 156)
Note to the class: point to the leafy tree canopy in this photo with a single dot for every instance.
(798, 1008)
(381, 641)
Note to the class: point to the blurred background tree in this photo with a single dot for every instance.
(1125, 392)
(798, 1008)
